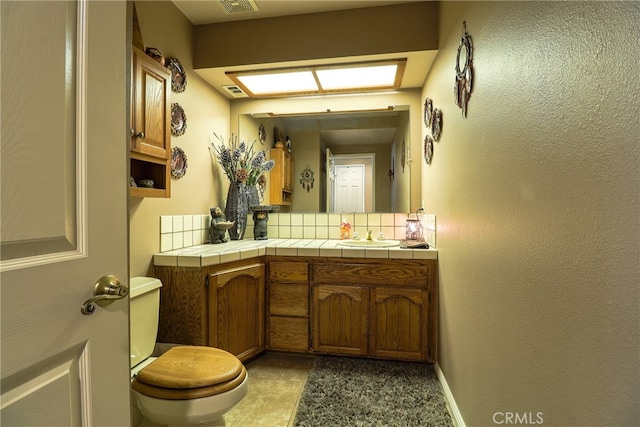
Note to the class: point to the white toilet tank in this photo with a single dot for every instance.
(144, 303)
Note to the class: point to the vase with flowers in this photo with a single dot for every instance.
(243, 166)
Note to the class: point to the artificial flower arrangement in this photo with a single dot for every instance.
(239, 161)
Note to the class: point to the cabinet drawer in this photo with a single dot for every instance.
(285, 271)
(374, 274)
(287, 299)
(288, 333)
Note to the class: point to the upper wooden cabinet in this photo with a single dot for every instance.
(150, 125)
(281, 180)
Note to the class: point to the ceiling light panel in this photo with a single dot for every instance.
(261, 84)
(360, 77)
(321, 79)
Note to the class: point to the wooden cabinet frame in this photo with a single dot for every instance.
(383, 308)
(150, 132)
(349, 306)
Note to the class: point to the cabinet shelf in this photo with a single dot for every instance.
(148, 167)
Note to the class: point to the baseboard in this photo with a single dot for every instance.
(448, 397)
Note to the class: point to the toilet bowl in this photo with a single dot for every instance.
(186, 385)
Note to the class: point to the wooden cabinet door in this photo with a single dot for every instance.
(399, 323)
(236, 310)
(151, 116)
(281, 177)
(340, 319)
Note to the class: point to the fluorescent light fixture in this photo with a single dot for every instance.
(260, 84)
(327, 111)
(321, 79)
(359, 77)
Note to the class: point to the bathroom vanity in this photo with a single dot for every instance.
(296, 297)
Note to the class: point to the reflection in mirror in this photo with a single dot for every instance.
(357, 157)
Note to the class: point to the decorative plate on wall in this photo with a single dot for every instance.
(436, 124)
(428, 149)
(262, 134)
(178, 163)
(178, 75)
(428, 112)
(178, 120)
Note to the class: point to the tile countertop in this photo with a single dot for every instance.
(234, 250)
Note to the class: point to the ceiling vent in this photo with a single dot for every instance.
(232, 7)
(235, 91)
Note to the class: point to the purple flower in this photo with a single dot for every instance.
(225, 156)
(257, 161)
(268, 165)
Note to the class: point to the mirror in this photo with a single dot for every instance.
(355, 156)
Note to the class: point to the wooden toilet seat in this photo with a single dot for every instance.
(190, 372)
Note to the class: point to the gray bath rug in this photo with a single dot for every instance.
(354, 392)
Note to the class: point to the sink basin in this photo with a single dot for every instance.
(369, 243)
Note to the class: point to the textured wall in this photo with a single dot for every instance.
(163, 26)
(536, 195)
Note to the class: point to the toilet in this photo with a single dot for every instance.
(186, 385)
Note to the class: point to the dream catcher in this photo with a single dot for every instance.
(464, 71)
(307, 178)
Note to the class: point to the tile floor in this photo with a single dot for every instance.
(276, 382)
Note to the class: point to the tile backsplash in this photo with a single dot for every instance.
(182, 231)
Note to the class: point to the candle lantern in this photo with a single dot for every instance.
(414, 229)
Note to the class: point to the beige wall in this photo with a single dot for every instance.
(402, 178)
(163, 26)
(305, 146)
(537, 200)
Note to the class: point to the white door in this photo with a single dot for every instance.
(349, 188)
(331, 180)
(63, 212)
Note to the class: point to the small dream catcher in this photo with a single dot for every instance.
(307, 178)
(464, 74)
